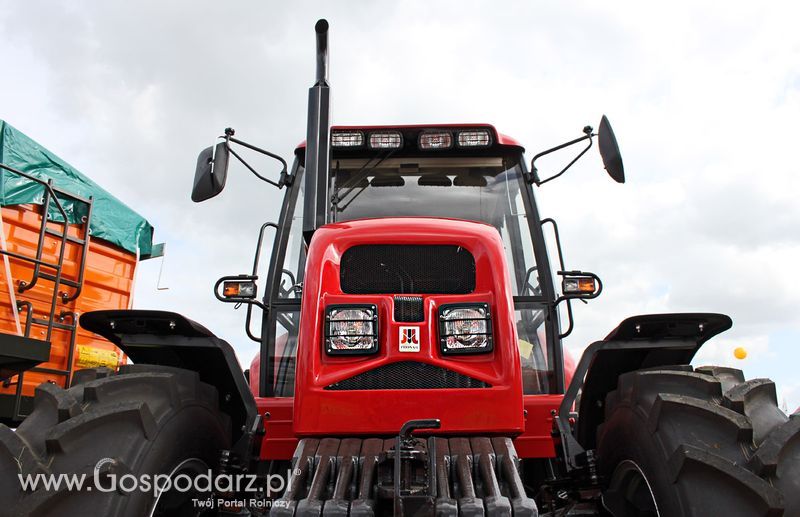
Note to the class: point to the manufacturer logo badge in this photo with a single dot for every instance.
(409, 339)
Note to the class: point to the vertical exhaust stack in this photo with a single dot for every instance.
(318, 147)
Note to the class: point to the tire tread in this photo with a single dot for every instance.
(720, 436)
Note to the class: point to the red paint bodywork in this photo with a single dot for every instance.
(535, 442)
(499, 138)
(321, 412)
(314, 411)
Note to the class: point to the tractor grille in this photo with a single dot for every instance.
(408, 375)
(408, 309)
(401, 269)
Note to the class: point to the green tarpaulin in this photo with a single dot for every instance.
(111, 220)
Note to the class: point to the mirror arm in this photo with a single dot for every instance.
(534, 170)
(259, 150)
(285, 178)
(257, 175)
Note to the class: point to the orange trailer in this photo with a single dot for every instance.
(61, 255)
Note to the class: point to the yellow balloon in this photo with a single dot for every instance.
(740, 353)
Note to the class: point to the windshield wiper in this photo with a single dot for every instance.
(362, 173)
(341, 209)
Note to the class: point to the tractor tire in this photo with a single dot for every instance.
(143, 420)
(683, 442)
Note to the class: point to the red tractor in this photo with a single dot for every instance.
(411, 363)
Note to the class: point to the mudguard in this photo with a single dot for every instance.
(169, 339)
(643, 341)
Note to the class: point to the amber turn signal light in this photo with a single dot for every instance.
(233, 289)
(579, 285)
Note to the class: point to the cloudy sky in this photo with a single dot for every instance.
(705, 101)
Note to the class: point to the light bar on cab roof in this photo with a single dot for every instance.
(347, 139)
(385, 140)
(435, 140)
(474, 138)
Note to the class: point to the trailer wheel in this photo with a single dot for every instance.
(145, 420)
(683, 442)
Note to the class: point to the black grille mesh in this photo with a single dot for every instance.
(408, 375)
(408, 309)
(400, 269)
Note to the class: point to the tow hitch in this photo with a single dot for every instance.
(413, 465)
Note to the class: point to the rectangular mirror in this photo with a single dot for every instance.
(211, 172)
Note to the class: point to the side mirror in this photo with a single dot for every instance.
(211, 172)
(609, 151)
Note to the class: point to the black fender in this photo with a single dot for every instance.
(643, 341)
(169, 339)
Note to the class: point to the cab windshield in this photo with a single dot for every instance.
(484, 189)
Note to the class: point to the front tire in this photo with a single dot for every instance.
(684, 442)
(144, 420)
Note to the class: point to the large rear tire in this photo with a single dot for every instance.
(144, 420)
(684, 442)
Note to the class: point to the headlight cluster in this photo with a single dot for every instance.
(465, 328)
(351, 329)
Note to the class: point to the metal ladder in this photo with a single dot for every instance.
(52, 272)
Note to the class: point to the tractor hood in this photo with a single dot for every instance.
(406, 270)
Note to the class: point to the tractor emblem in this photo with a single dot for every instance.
(409, 339)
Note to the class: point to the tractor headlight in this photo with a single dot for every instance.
(351, 329)
(465, 328)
